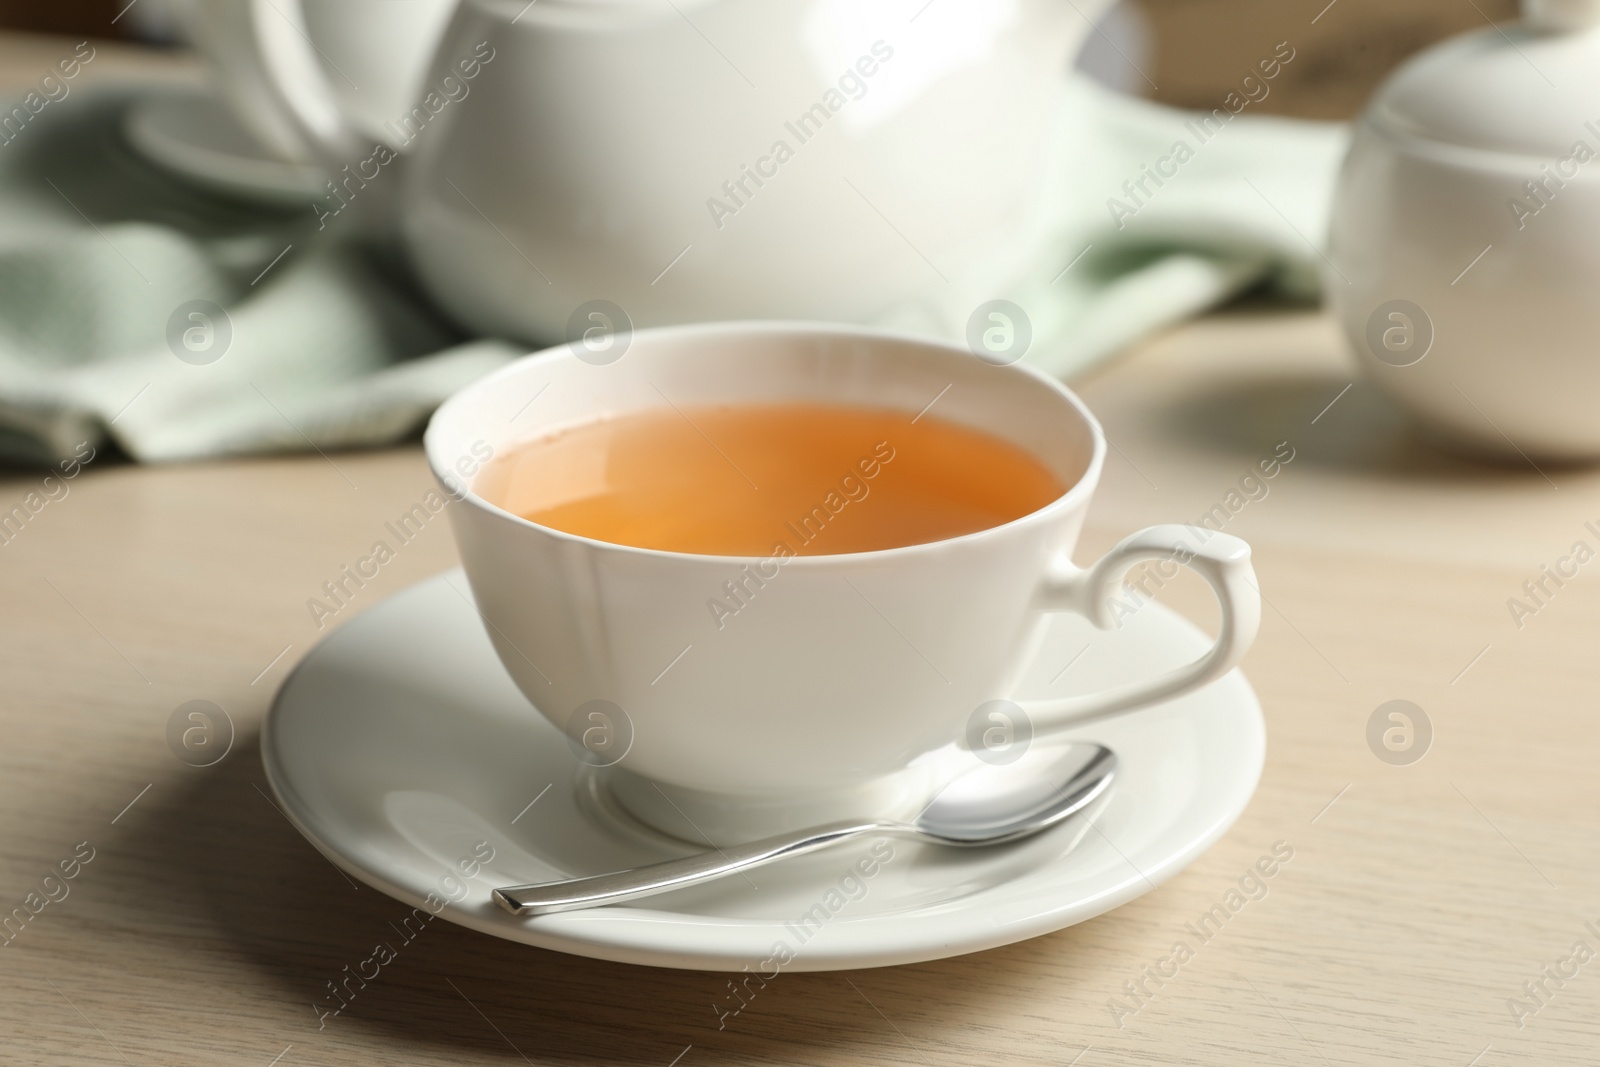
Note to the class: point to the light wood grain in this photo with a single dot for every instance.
(1418, 901)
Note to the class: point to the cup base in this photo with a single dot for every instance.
(703, 818)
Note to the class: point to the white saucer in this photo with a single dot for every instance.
(193, 134)
(400, 744)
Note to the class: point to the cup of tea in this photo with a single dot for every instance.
(763, 574)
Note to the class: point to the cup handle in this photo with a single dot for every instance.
(267, 50)
(1221, 559)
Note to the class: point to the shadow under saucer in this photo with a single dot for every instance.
(218, 869)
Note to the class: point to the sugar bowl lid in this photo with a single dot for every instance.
(1527, 88)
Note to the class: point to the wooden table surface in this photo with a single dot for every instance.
(1420, 900)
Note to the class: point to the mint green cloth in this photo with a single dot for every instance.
(1248, 209)
(332, 346)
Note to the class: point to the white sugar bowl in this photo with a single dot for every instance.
(1464, 257)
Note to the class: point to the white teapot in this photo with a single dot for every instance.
(1464, 255)
(695, 159)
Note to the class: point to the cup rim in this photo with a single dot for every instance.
(1077, 494)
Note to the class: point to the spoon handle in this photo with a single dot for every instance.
(546, 897)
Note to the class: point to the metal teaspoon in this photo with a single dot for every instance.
(984, 805)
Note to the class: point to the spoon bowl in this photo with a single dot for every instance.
(991, 804)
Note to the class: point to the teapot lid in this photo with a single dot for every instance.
(1526, 88)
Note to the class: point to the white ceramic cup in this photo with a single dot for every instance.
(844, 683)
(284, 65)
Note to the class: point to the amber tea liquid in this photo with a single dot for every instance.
(742, 480)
